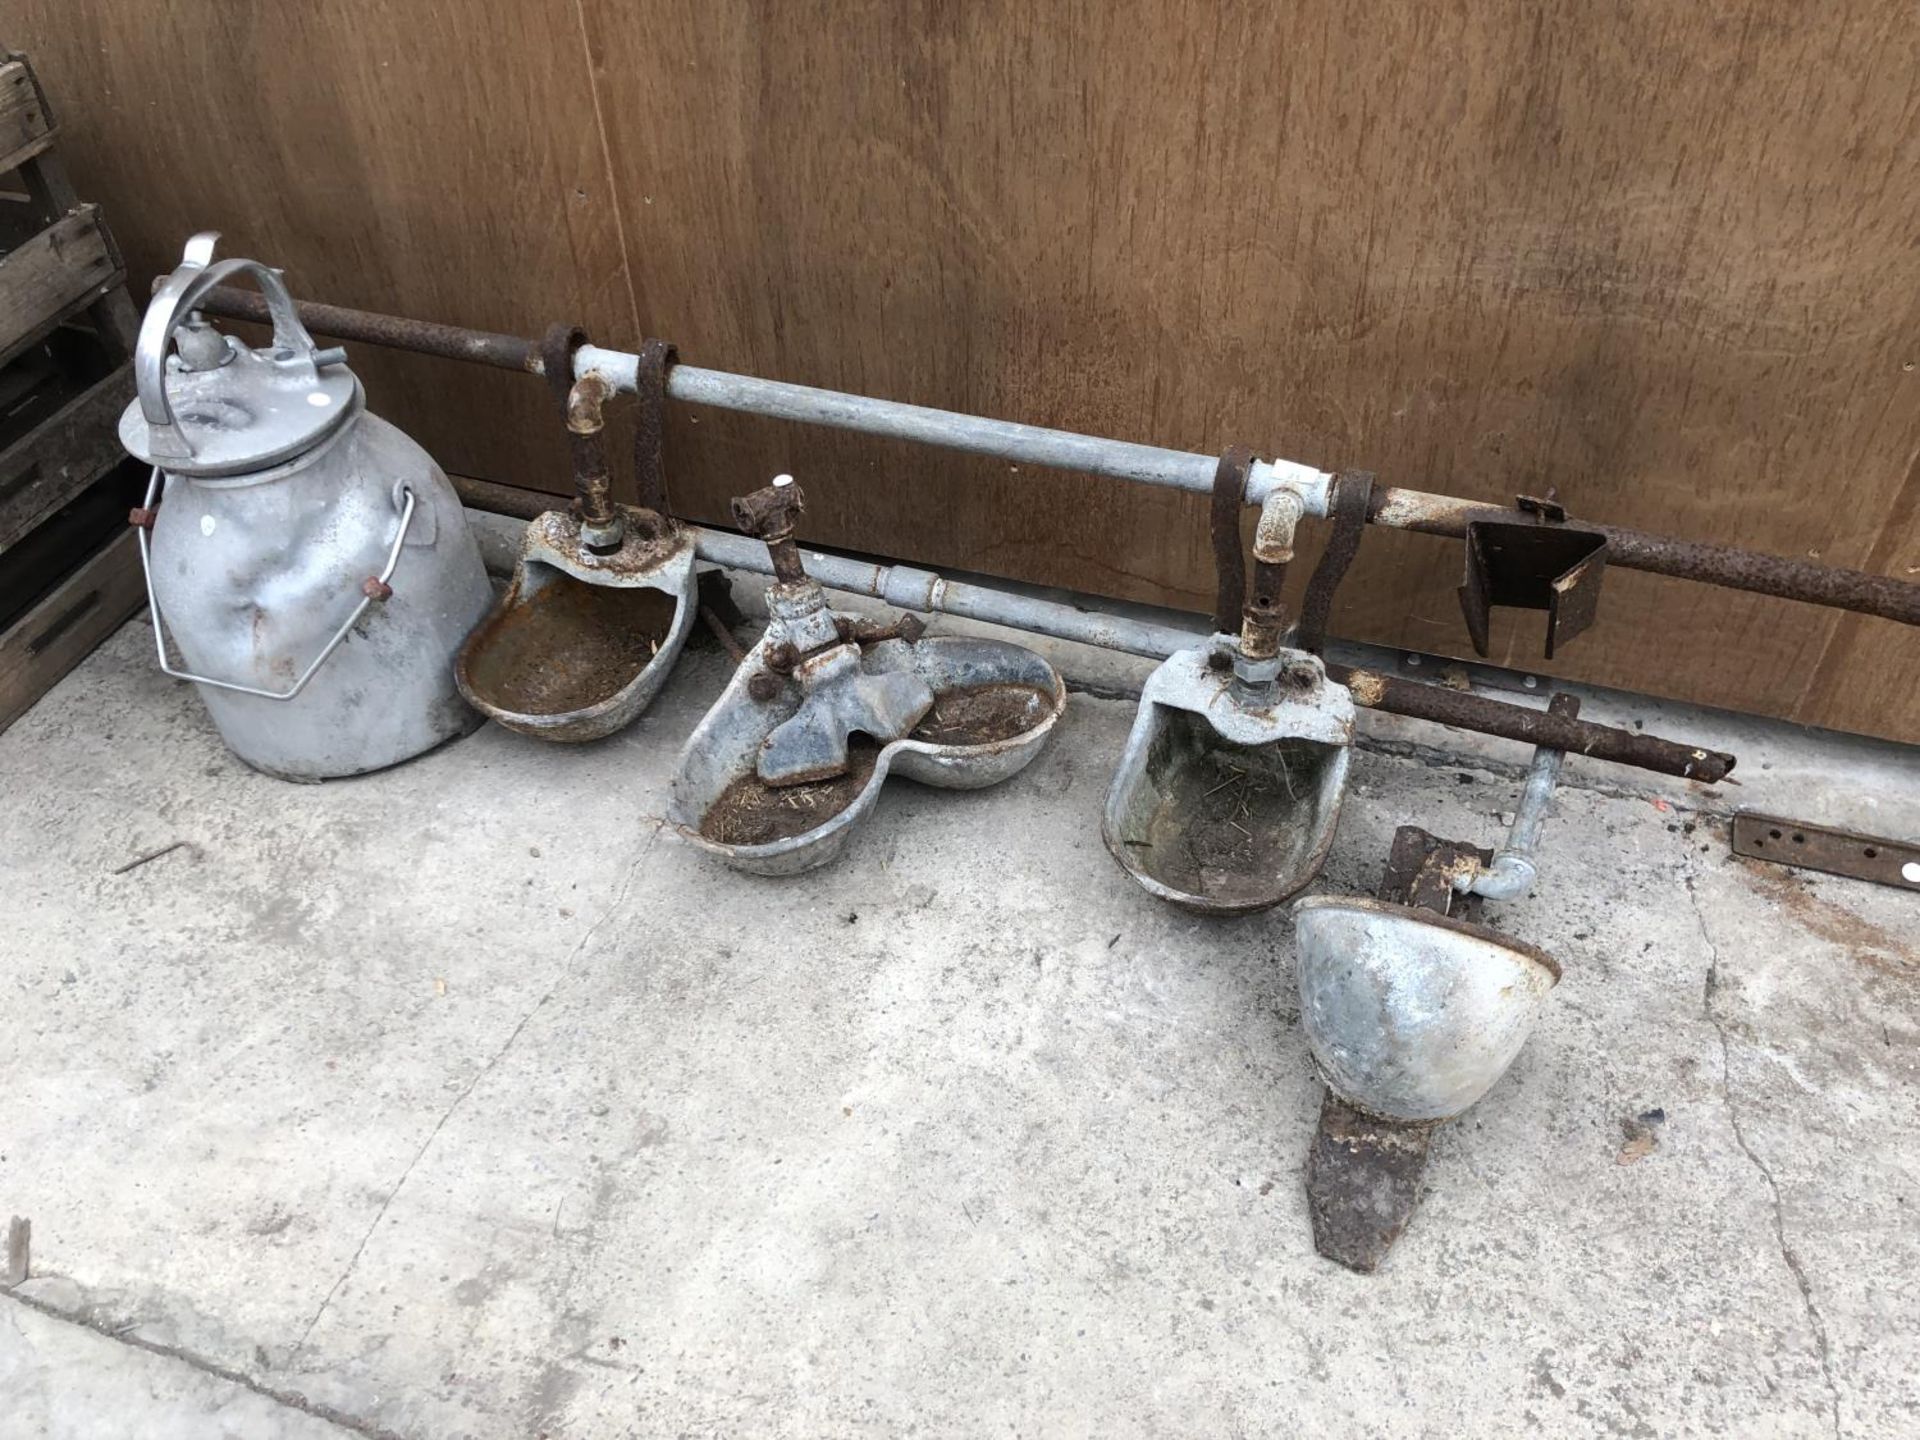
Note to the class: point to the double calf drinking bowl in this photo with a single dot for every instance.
(994, 706)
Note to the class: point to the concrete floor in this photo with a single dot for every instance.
(462, 1100)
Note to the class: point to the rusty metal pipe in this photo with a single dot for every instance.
(1723, 565)
(368, 327)
(1396, 509)
(600, 520)
(1466, 711)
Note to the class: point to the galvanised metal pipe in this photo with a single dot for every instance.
(951, 430)
(1513, 872)
(1004, 439)
(1394, 508)
(915, 589)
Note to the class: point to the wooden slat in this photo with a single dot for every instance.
(62, 630)
(60, 271)
(62, 455)
(26, 128)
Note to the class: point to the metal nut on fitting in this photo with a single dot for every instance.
(376, 589)
(1261, 670)
(765, 686)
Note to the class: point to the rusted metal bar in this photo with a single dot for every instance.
(1466, 711)
(368, 327)
(718, 628)
(1724, 565)
(1392, 507)
(1229, 550)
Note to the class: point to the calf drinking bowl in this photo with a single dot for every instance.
(795, 750)
(1226, 796)
(1412, 1015)
(598, 609)
(581, 643)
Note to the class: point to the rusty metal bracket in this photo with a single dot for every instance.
(1352, 499)
(1364, 1172)
(1549, 565)
(656, 357)
(1828, 850)
(556, 358)
(1229, 550)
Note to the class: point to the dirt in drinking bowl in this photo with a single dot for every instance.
(752, 812)
(983, 714)
(570, 646)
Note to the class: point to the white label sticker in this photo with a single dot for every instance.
(207, 522)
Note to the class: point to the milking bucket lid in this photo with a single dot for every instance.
(254, 410)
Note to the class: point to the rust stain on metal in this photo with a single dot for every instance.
(718, 629)
(864, 630)
(1840, 588)
(1534, 566)
(1725, 565)
(655, 358)
(1363, 1183)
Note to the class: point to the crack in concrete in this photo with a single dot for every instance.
(1815, 1322)
(619, 899)
(117, 1331)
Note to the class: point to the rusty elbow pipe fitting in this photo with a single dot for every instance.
(1263, 622)
(602, 527)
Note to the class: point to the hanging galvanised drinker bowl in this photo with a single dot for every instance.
(580, 644)
(1412, 1015)
(599, 605)
(1225, 802)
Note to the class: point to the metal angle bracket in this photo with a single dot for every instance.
(1550, 566)
(1823, 848)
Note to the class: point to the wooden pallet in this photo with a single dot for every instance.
(67, 625)
(68, 573)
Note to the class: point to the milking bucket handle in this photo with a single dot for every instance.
(374, 589)
(177, 297)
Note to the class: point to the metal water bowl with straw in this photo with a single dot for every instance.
(1413, 1010)
(794, 753)
(1228, 791)
(603, 595)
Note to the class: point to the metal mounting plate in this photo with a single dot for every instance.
(1823, 848)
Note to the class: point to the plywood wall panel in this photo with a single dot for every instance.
(1659, 257)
